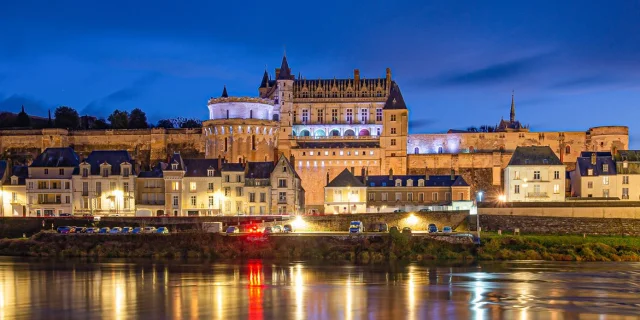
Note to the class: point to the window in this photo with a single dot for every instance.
(625, 193)
(556, 175)
(85, 188)
(105, 172)
(378, 114)
(383, 196)
(567, 149)
(192, 186)
(14, 197)
(210, 172)
(625, 164)
(284, 168)
(398, 183)
(605, 167)
(263, 197)
(112, 186)
(393, 117)
(516, 189)
(99, 204)
(625, 179)
(125, 172)
(227, 192)
(238, 191)
(175, 186)
(175, 201)
(98, 189)
(516, 175)
(305, 115)
(210, 201)
(556, 188)
(125, 186)
(282, 197)
(605, 193)
(46, 171)
(398, 196)
(421, 197)
(226, 178)
(364, 115)
(282, 183)
(85, 203)
(590, 185)
(349, 117)
(61, 172)
(372, 196)
(334, 115)
(536, 188)
(536, 175)
(410, 196)
(393, 130)
(393, 142)
(320, 116)
(239, 178)
(252, 197)
(30, 185)
(461, 195)
(447, 196)
(434, 196)
(194, 200)
(589, 172)
(605, 180)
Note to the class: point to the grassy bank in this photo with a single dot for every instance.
(327, 248)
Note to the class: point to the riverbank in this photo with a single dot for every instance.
(391, 247)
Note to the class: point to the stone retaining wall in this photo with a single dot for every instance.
(559, 225)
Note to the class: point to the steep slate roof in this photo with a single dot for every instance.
(534, 155)
(156, 172)
(629, 155)
(259, 170)
(291, 166)
(434, 181)
(345, 179)
(285, 71)
(112, 157)
(232, 167)
(22, 172)
(395, 100)
(57, 157)
(265, 79)
(598, 153)
(176, 158)
(224, 93)
(584, 163)
(200, 167)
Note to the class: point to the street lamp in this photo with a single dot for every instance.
(478, 199)
(349, 199)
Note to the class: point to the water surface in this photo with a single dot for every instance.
(143, 289)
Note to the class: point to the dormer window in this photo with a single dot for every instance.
(85, 172)
(605, 167)
(105, 172)
(421, 183)
(589, 172)
(14, 180)
(398, 183)
(545, 161)
(625, 164)
(410, 183)
(126, 171)
(174, 166)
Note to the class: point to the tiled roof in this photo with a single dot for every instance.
(434, 181)
(395, 100)
(111, 157)
(583, 164)
(259, 170)
(534, 155)
(200, 167)
(57, 157)
(345, 179)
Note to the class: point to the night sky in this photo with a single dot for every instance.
(572, 64)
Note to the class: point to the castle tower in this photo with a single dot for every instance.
(393, 140)
(284, 83)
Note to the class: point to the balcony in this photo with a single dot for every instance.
(282, 200)
(335, 137)
(537, 195)
(152, 203)
(49, 202)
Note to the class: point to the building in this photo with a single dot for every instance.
(13, 198)
(345, 194)
(596, 176)
(150, 192)
(628, 174)
(49, 182)
(534, 174)
(105, 184)
(287, 193)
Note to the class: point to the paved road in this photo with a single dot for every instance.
(345, 233)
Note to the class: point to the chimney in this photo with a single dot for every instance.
(327, 178)
(353, 171)
(426, 174)
(219, 161)
(390, 174)
(362, 175)
(292, 159)
(453, 174)
(356, 75)
(593, 158)
(388, 76)
(277, 73)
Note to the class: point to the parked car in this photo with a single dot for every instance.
(80, 230)
(287, 228)
(115, 230)
(356, 227)
(47, 214)
(447, 229)
(406, 230)
(162, 230)
(64, 230)
(127, 230)
(92, 230)
(394, 229)
(398, 211)
(232, 229)
(432, 228)
(149, 230)
(254, 229)
(268, 230)
(425, 210)
(65, 215)
(379, 227)
(104, 230)
(277, 229)
(87, 215)
(137, 230)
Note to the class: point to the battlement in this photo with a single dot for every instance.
(240, 99)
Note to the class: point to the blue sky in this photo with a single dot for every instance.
(572, 64)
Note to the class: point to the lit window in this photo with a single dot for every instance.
(556, 188)
(605, 180)
(192, 186)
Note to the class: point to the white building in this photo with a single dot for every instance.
(595, 177)
(534, 174)
(49, 184)
(13, 196)
(104, 184)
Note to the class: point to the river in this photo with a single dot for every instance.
(145, 289)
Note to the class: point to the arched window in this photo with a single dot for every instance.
(334, 133)
(225, 145)
(319, 133)
(304, 133)
(364, 133)
(567, 149)
(250, 114)
(416, 150)
(349, 133)
(440, 150)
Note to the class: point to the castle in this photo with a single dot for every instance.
(325, 126)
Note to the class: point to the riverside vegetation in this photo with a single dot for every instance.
(394, 247)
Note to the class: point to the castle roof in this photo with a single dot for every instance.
(395, 100)
(224, 93)
(285, 71)
(265, 79)
(259, 170)
(200, 167)
(534, 155)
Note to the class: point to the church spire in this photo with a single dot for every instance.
(513, 108)
(265, 79)
(285, 71)
(224, 92)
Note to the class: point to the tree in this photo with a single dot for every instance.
(119, 119)
(472, 129)
(66, 118)
(191, 123)
(100, 124)
(138, 119)
(165, 123)
(23, 120)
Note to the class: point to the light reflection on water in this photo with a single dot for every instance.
(276, 290)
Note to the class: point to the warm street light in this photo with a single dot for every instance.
(412, 219)
(502, 198)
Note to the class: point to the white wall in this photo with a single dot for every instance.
(527, 184)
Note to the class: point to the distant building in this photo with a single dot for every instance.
(595, 176)
(628, 174)
(534, 174)
(345, 194)
(150, 191)
(49, 184)
(13, 198)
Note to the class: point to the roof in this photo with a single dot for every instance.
(3, 168)
(259, 170)
(57, 157)
(265, 79)
(534, 155)
(232, 167)
(176, 158)
(583, 164)
(291, 165)
(598, 153)
(224, 92)
(111, 157)
(22, 172)
(434, 181)
(285, 71)
(156, 172)
(395, 100)
(345, 179)
(200, 167)
(629, 155)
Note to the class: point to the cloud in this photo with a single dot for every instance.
(421, 124)
(586, 82)
(31, 105)
(115, 99)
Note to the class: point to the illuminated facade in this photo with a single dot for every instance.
(49, 184)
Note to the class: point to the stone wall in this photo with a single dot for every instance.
(590, 210)
(560, 225)
(340, 222)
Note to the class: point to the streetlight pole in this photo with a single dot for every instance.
(349, 199)
(478, 200)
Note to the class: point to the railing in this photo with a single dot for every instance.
(537, 195)
(49, 202)
(625, 197)
(282, 200)
(335, 137)
(152, 202)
